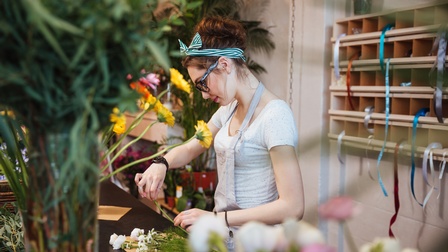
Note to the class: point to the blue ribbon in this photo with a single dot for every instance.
(380, 181)
(195, 50)
(381, 50)
(421, 112)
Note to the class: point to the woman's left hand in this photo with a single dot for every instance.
(186, 218)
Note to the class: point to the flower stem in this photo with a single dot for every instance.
(167, 216)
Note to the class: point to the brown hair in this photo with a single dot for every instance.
(217, 33)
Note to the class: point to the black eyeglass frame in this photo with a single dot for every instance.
(200, 84)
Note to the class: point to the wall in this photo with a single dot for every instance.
(320, 167)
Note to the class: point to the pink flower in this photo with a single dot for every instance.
(150, 80)
(318, 248)
(339, 208)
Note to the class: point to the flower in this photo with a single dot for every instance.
(177, 79)
(117, 240)
(165, 115)
(203, 134)
(151, 80)
(384, 244)
(301, 234)
(339, 208)
(208, 229)
(136, 233)
(318, 248)
(256, 236)
(119, 121)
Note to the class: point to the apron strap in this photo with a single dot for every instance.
(250, 112)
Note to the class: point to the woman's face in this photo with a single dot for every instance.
(215, 82)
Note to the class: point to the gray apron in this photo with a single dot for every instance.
(225, 198)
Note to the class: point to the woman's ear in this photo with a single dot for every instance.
(225, 64)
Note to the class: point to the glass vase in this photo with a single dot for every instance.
(62, 194)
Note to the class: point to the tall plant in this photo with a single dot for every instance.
(63, 69)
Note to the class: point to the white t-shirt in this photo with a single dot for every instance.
(254, 174)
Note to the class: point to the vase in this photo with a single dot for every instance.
(362, 6)
(62, 193)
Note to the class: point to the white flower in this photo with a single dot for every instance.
(382, 244)
(256, 236)
(409, 250)
(201, 230)
(136, 232)
(119, 241)
(301, 233)
(113, 238)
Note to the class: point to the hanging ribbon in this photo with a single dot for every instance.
(381, 50)
(367, 156)
(426, 153)
(396, 187)
(441, 54)
(421, 112)
(369, 111)
(341, 135)
(441, 170)
(349, 67)
(336, 56)
(380, 156)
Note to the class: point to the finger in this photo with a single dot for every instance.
(137, 178)
(154, 190)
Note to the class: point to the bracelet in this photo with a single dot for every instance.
(228, 226)
(161, 160)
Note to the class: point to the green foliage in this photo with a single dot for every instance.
(11, 231)
(66, 60)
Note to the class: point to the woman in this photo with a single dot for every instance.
(254, 133)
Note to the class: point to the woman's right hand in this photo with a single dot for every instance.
(151, 181)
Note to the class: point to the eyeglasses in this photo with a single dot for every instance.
(200, 84)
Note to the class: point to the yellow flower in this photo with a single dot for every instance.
(119, 121)
(164, 115)
(203, 134)
(119, 127)
(149, 102)
(177, 79)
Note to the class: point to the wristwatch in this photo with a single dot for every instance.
(161, 160)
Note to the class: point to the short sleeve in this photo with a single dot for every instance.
(279, 126)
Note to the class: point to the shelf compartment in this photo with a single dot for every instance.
(438, 135)
(370, 51)
(398, 133)
(441, 14)
(380, 104)
(417, 104)
(400, 76)
(368, 78)
(422, 47)
(420, 77)
(351, 128)
(354, 27)
(402, 49)
(444, 107)
(421, 136)
(355, 102)
(399, 106)
(351, 50)
(404, 19)
(370, 25)
(424, 16)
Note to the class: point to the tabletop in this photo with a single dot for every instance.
(140, 215)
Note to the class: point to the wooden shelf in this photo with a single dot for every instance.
(409, 46)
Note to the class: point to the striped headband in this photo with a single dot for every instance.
(196, 44)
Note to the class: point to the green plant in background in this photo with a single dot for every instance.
(11, 231)
(62, 71)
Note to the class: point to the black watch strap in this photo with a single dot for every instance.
(161, 160)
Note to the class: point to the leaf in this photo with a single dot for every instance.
(159, 54)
